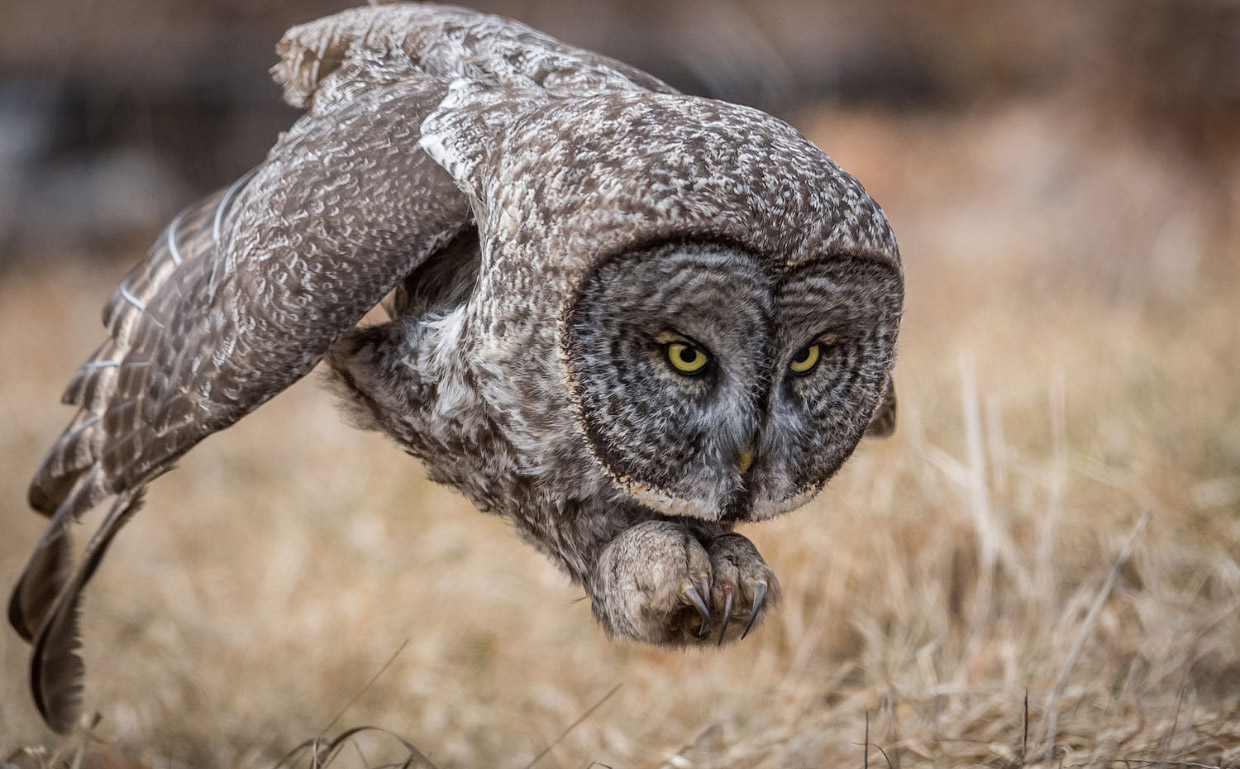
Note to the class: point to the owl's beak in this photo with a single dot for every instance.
(745, 459)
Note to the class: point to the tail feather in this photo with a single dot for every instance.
(45, 575)
(56, 666)
(46, 572)
(105, 357)
(46, 494)
(56, 669)
(95, 382)
(68, 457)
(69, 471)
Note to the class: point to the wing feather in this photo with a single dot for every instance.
(56, 666)
(443, 42)
(238, 298)
(883, 422)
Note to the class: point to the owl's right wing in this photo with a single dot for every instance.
(445, 42)
(244, 292)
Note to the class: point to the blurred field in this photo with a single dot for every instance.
(1070, 359)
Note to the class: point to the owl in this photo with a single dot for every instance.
(623, 318)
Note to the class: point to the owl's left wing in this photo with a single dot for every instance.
(883, 422)
(245, 291)
(239, 298)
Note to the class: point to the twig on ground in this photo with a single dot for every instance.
(1052, 712)
(1147, 762)
(365, 688)
(1024, 730)
(573, 726)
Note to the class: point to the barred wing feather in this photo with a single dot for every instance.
(245, 291)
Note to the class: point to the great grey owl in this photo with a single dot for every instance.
(624, 318)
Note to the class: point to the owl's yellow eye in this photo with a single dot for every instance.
(685, 358)
(805, 359)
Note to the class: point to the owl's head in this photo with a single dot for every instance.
(714, 382)
(706, 304)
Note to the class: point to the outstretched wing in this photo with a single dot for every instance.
(239, 298)
(244, 292)
(883, 422)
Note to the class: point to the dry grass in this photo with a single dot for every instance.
(1069, 360)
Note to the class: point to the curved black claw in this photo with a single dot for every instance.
(759, 593)
(690, 595)
(727, 614)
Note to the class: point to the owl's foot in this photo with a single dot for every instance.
(652, 584)
(743, 587)
(658, 584)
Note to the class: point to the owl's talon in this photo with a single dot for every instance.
(727, 615)
(656, 582)
(690, 595)
(743, 587)
(759, 593)
(652, 583)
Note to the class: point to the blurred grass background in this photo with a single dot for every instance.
(1064, 180)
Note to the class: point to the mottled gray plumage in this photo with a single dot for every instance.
(555, 225)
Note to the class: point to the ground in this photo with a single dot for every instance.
(960, 595)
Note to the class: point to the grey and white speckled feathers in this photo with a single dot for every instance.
(624, 318)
